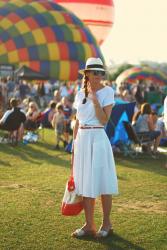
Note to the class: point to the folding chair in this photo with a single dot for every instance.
(136, 139)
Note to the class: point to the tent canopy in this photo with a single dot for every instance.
(28, 74)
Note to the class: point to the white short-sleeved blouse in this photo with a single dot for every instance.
(86, 112)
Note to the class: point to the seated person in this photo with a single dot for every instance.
(160, 125)
(146, 124)
(135, 117)
(32, 117)
(13, 119)
(47, 115)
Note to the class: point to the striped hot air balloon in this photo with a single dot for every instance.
(45, 37)
(142, 73)
(98, 15)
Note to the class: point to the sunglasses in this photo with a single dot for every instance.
(97, 72)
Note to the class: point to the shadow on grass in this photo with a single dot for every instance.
(145, 163)
(4, 164)
(35, 155)
(43, 152)
(115, 242)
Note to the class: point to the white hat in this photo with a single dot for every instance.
(93, 63)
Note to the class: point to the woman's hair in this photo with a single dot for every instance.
(59, 106)
(13, 103)
(52, 105)
(145, 108)
(136, 116)
(33, 104)
(85, 80)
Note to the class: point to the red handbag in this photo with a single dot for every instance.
(72, 204)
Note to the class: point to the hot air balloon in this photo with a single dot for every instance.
(142, 73)
(98, 15)
(45, 37)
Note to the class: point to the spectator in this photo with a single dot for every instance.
(64, 90)
(138, 94)
(67, 119)
(32, 116)
(3, 86)
(146, 123)
(48, 115)
(58, 124)
(13, 119)
(41, 94)
(56, 96)
(23, 89)
(10, 86)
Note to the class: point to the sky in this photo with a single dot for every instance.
(139, 32)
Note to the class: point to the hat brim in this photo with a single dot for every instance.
(82, 71)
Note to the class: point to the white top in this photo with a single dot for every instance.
(86, 112)
(142, 123)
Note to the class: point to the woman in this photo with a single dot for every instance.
(146, 123)
(58, 124)
(94, 167)
(48, 115)
(32, 116)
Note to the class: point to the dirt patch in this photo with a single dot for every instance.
(159, 207)
(14, 186)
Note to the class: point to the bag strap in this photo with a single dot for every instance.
(72, 162)
(71, 184)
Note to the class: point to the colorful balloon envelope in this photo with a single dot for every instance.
(142, 73)
(45, 37)
(98, 15)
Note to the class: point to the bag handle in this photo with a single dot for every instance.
(72, 158)
(71, 184)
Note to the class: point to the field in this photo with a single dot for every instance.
(32, 182)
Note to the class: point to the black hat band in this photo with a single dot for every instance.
(95, 66)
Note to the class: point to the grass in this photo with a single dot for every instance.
(32, 182)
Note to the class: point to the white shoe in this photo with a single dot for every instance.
(82, 233)
(104, 233)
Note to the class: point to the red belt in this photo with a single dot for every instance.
(90, 127)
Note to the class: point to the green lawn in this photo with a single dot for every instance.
(32, 181)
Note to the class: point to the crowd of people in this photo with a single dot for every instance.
(44, 104)
(51, 105)
(89, 104)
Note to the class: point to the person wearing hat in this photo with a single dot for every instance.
(94, 167)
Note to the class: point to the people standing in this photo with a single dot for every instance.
(67, 119)
(94, 167)
(58, 124)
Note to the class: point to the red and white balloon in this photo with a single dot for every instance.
(98, 15)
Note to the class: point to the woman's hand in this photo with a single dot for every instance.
(92, 94)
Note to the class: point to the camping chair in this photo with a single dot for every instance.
(115, 129)
(118, 111)
(136, 139)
